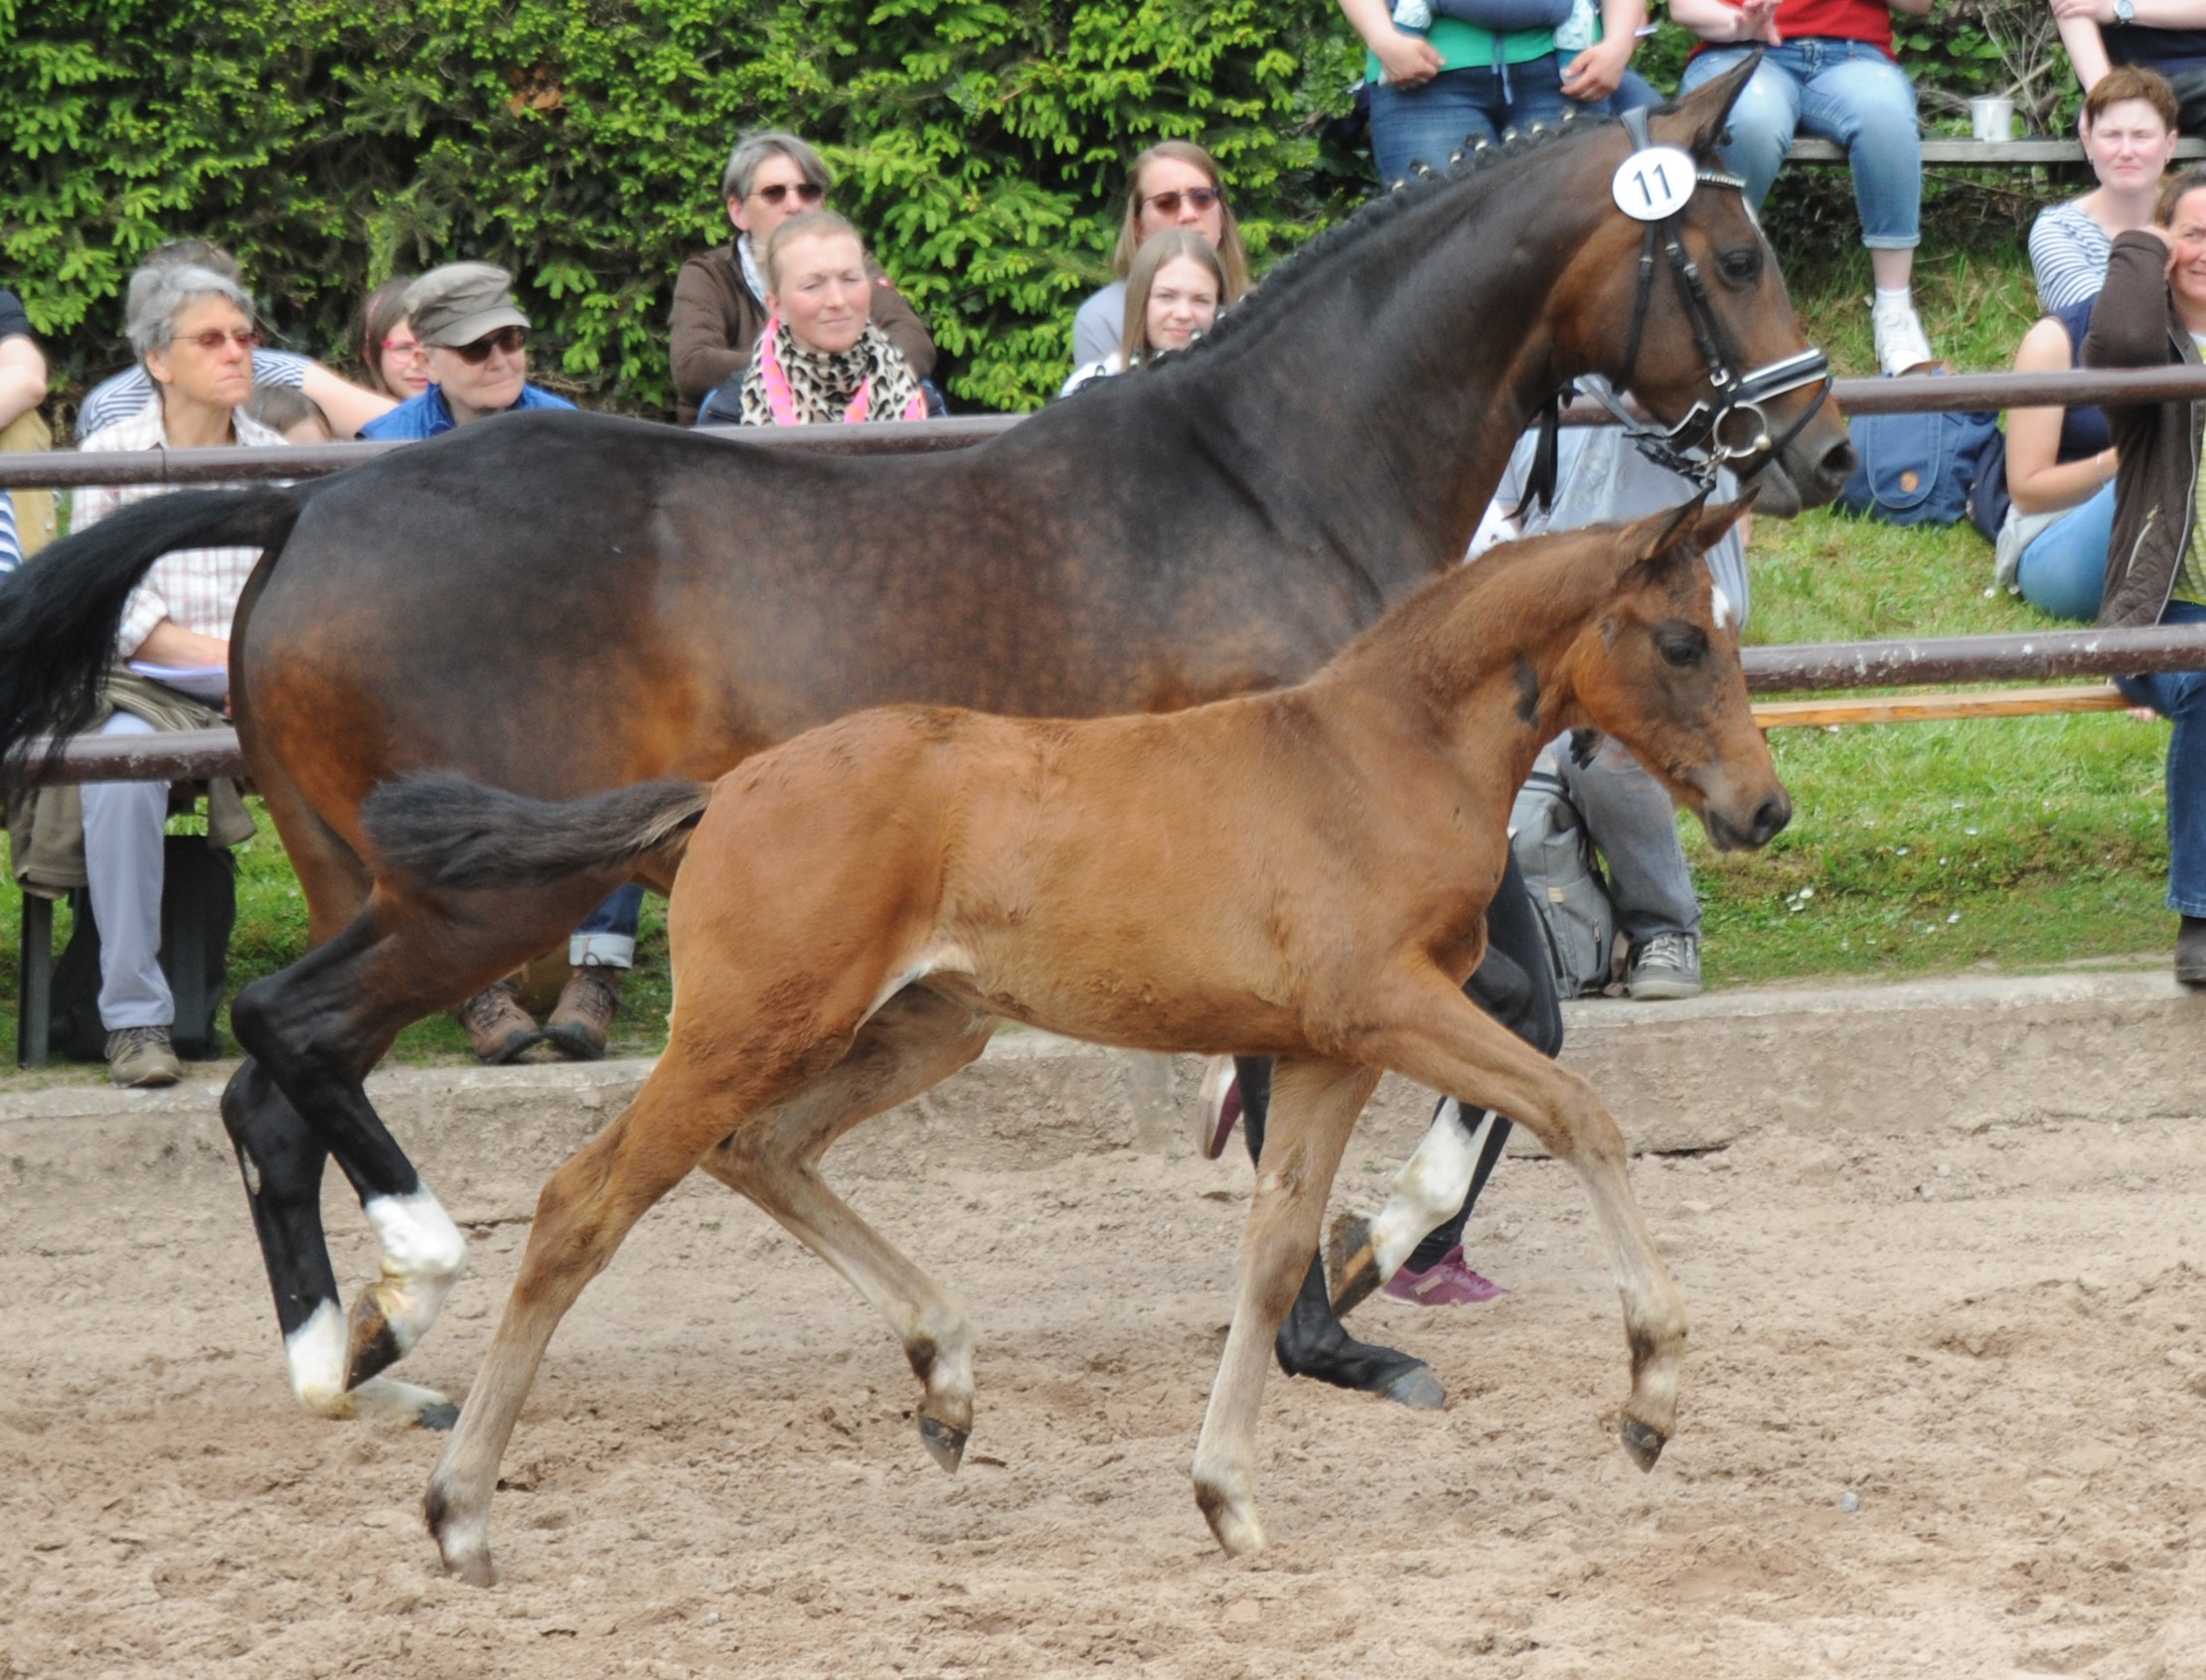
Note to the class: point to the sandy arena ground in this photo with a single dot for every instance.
(1945, 1414)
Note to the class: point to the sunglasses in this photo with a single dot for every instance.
(508, 339)
(1167, 204)
(804, 189)
(212, 341)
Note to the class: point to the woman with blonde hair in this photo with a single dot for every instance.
(821, 359)
(1174, 292)
(1175, 183)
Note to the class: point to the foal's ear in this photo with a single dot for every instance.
(1690, 530)
(1706, 109)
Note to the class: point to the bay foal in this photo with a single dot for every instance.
(857, 908)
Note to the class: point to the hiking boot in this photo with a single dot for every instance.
(497, 1027)
(142, 1057)
(576, 1027)
(2190, 953)
(1898, 331)
(1666, 967)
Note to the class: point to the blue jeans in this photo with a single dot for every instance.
(1435, 119)
(2064, 568)
(1844, 91)
(2181, 696)
(608, 938)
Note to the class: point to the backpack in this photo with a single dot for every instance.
(199, 906)
(1547, 835)
(1918, 468)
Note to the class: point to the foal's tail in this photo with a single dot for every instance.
(60, 613)
(450, 832)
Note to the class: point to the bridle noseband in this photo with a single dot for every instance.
(1732, 427)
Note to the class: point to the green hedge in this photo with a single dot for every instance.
(330, 142)
(980, 144)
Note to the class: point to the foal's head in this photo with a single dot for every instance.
(1658, 668)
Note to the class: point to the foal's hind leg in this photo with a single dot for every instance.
(914, 1042)
(1314, 1107)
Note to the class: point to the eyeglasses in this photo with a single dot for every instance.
(408, 348)
(511, 340)
(780, 189)
(1167, 204)
(213, 340)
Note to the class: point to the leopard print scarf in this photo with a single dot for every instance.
(789, 385)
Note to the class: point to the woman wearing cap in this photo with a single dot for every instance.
(821, 359)
(476, 340)
(1175, 183)
(719, 297)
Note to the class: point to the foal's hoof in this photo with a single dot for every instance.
(1350, 1264)
(440, 1417)
(944, 1442)
(1232, 1521)
(371, 1344)
(1643, 1443)
(1418, 1389)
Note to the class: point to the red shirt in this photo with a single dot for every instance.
(1869, 21)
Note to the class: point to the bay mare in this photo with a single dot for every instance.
(562, 603)
(860, 907)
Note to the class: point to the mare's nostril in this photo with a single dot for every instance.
(1770, 818)
(1837, 462)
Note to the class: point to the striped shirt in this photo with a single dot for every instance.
(196, 588)
(2068, 256)
(11, 545)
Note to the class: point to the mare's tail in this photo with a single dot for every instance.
(451, 831)
(60, 613)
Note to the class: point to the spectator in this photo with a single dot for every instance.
(348, 406)
(1827, 68)
(391, 352)
(720, 298)
(821, 359)
(22, 390)
(191, 328)
(2168, 36)
(1436, 92)
(2060, 480)
(1172, 295)
(2127, 128)
(1600, 476)
(1175, 183)
(476, 342)
(292, 412)
(2152, 313)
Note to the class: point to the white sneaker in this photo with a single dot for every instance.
(1900, 342)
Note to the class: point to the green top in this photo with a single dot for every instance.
(1465, 46)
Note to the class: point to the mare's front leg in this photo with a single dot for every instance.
(1433, 1034)
(916, 1040)
(1313, 1110)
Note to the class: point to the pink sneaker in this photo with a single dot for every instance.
(1449, 1281)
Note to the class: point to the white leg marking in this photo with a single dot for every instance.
(1430, 1186)
(423, 1255)
(316, 1353)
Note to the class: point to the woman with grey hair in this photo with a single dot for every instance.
(719, 297)
(191, 328)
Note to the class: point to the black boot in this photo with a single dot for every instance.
(2190, 950)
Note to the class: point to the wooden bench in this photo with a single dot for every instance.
(1980, 154)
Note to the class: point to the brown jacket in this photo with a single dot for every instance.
(2134, 324)
(715, 321)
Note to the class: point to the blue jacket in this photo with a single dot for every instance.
(426, 415)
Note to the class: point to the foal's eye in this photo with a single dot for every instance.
(1742, 264)
(1681, 644)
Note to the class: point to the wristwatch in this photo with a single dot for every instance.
(2125, 11)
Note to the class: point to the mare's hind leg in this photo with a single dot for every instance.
(914, 1042)
(1314, 1107)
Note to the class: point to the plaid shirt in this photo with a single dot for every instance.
(196, 588)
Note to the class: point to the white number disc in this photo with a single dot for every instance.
(1654, 184)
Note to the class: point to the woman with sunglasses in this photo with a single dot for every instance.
(1175, 183)
(391, 355)
(720, 298)
(1173, 297)
(191, 328)
(475, 341)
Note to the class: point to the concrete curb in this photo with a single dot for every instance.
(1964, 1053)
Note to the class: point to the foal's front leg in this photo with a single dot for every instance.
(1435, 1036)
(1313, 1109)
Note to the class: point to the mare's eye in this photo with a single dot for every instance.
(1743, 264)
(1681, 644)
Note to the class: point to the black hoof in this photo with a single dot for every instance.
(1418, 1389)
(946, 1444)
(1643, 1443)
(440, 1417)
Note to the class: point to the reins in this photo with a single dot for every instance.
(1702, 441)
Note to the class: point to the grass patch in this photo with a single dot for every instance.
(1916, 847)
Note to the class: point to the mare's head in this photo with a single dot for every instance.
(1656, 666)
(1643, 333)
